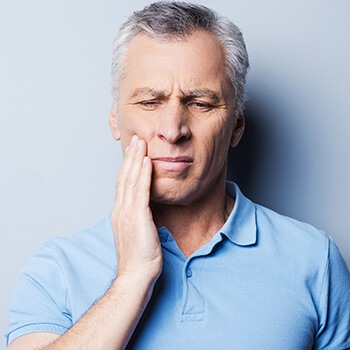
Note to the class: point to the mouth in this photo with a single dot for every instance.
(172, 163)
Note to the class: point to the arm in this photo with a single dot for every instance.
(334, 305)
(110, 323)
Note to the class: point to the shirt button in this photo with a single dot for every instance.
(163, 238)
(188, 272)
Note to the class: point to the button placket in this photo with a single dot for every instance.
(193, 302)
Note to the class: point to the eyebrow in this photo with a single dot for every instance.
(202, 93)
(186, 95)
(147, 91)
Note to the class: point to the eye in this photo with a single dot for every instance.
(149, 104)
(200, 106)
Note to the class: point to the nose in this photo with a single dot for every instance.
(173, 125)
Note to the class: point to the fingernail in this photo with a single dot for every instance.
(133, 140)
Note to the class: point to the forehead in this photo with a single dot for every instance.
(196, 61)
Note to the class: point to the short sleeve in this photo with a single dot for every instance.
(334, 313)
(39, 300)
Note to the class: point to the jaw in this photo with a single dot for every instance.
(188, 190)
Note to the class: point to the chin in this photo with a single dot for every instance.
(172, 192)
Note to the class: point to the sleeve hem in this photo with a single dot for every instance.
(33, 328)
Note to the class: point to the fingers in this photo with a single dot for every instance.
(136, 237)
(135, 175)
(144, 188)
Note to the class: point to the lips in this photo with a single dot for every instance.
(172, 163)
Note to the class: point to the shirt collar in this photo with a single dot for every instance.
(240, 227)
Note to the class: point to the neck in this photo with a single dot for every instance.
(194, 224)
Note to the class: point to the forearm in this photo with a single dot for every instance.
(110, 322)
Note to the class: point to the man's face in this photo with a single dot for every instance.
(175, 96)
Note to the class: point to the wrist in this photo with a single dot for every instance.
(136, 286)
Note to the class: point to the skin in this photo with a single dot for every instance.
(176, 121)
(186, 115)
(185, 109)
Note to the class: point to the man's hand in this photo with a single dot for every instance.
(136, 237)
(110, 322)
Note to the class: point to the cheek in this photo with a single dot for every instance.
(131, 125)
(218, 142)
(214, 149)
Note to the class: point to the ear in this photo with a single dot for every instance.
(113, 122)
(238, 130)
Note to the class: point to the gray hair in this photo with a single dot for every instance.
(175, 20)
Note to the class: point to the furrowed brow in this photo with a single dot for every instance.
(214, 97)
(149, 92)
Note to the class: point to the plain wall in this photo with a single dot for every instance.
(59, 162)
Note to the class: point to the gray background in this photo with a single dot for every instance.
(59, 162)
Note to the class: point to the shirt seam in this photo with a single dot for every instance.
(62, 274)
(324, 279)
(32, 327)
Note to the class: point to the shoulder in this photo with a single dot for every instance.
(62, 280)
(64, 259)
(89, 242)
(290, 232)
(308, 261)
(277, 234)
(296, 249)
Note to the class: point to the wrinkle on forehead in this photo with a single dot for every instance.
(190, 68)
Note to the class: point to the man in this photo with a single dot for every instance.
(185, 260)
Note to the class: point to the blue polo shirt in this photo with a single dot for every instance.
(264, 281)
